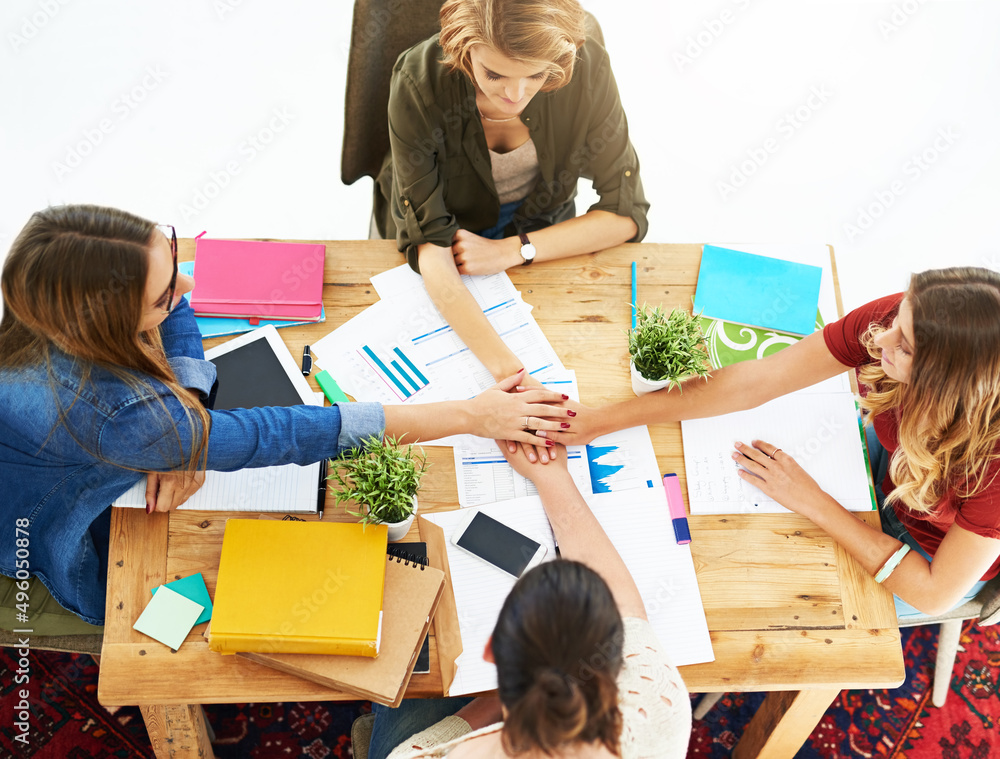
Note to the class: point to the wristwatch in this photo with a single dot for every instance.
(527, 249)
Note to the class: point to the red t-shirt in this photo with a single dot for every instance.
(979, 514)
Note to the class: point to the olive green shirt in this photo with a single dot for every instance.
(437, 177)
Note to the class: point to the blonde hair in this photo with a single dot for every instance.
(75, 281)
(548, 31)
(949, 411)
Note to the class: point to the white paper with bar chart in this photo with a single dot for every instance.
(401, 350)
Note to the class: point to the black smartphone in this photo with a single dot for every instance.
(498, 544)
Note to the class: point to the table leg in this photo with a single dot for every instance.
(782, 723)
(178, 731)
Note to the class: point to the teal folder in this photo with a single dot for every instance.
(757, 290)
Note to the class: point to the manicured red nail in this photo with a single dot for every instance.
(571, 412)
(564, 425)
(549, 443)
(565, 397)
(149, 508)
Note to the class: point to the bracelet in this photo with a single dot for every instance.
(891, 563)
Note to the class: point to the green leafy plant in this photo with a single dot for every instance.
(381, 478)
(667, 346)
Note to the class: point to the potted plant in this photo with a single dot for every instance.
(665, 349)
(381, 478)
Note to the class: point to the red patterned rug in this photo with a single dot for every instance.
(67, 722)
(891, 724)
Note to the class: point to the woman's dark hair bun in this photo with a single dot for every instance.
(551, 714)
(557, 645)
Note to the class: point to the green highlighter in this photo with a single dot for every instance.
(330, 388)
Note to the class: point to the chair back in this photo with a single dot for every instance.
(380, 31)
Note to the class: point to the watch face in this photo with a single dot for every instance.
(528, 252)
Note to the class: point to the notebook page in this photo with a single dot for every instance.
(821, 430)
(480, 588)
(638, 524)
(275, 488)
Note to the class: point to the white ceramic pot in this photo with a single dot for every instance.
(641, 385)
(398, 530)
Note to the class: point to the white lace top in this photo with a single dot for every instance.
(656, 711)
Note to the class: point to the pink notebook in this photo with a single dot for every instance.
(265, 280)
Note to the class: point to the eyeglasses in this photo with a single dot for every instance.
(173, 279)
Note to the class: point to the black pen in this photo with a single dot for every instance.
(307, 361)
(321, 498)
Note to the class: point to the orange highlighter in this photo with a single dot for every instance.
(675, 500)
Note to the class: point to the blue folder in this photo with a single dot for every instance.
(757, 290)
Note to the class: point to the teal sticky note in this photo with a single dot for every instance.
(193, 588)
(168, 617)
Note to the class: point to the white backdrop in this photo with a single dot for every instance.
(872, 126)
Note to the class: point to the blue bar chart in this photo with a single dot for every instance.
(396, 370)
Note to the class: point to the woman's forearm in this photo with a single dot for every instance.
(427, 421)
(735, 387)
(452, 298)
(582, 538)
(591, 232)
(928, 587)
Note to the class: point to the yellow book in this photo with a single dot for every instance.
(299, 588)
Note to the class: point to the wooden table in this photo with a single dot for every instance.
(790, 612)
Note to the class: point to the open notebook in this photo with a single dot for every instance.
(255, 369)
(820, 429)
(638, 524)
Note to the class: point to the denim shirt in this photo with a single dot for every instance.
(61, 477)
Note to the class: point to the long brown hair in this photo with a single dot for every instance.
(949, 411)
(74, 281)
(547, 31)
(557, 645)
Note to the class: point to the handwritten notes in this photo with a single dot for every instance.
(820, 430)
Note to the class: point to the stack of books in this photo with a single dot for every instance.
(323, 601)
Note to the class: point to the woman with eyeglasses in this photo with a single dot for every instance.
(492, 123)
(103, 379)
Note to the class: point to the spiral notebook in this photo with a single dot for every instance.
(417, 554)
(411, 597)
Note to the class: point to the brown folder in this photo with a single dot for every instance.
(411, 597)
